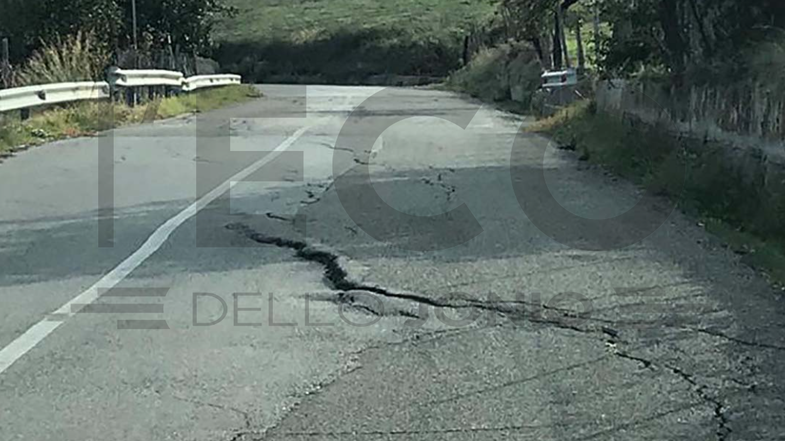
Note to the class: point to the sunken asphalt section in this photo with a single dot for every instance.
(330, 319)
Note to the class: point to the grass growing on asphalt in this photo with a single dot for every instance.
(346, 41)
(88, 118)
(205, 100)
(746, 214)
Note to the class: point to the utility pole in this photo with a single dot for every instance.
(136, 38)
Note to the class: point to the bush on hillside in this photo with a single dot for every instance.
(507, 72)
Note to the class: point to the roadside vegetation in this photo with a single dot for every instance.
(507, 75)
(347, 41)
(697, 175)
(77, 57)
(671, 45)
(505, 63)
(182, 25)
(57, 43)
(90, 118)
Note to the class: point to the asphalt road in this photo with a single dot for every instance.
(364, 264)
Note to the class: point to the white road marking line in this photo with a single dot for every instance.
(27, 341)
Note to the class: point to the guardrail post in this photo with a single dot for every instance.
(25, 114)
(111, 78)
(130, 97)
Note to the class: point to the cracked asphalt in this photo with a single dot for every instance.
(298, 306)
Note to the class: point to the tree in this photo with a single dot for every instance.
(189, 23)
(532, 21)
(578, 27)
(697, 39)
(562, 12)
(63, 18)
(528, 20)
(29, 23)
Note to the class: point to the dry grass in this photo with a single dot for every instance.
(77, 57)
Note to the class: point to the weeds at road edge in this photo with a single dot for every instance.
(88, 118)
(741, 206)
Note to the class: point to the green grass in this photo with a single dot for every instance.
(757, 252)
(206, 100)
(346, 41)
(746, 212)
(88, 118)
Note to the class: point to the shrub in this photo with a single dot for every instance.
(500, 74)
(484, 76)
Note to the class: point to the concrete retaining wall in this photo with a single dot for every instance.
(747, 123)
(746, 116)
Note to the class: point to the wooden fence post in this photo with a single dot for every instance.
(5, 65)
(170, 51)
(195, 61)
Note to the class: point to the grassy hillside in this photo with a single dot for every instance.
(346, 41)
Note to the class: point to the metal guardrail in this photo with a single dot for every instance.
(143, 78)
(32, 96)
(556, 79)
(202, 81)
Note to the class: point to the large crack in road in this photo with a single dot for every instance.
(337, 279)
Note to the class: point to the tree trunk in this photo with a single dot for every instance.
(597, 36)
(557, 46)
(674, 40)
(466, 50)
(563, 36)
(708, 47)
(538, 47)
(581, 53)
(546, 41)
